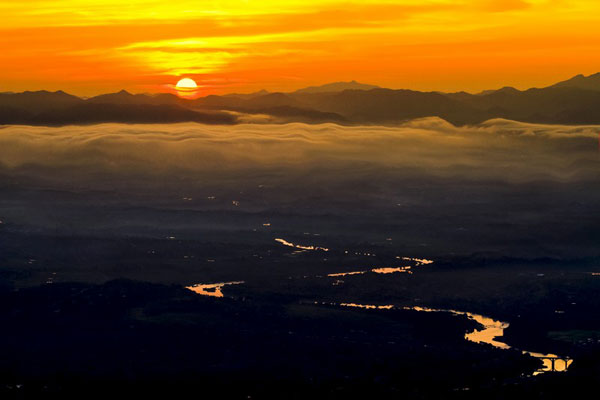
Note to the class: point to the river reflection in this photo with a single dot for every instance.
(552, 362)
(382, 270)
(391, 270)
(490, 332)
(211, 289)
(494, 329)
(347, 273)
(419, 261)
(367, 306)
(298, 246)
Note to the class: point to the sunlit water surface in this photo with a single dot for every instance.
(490, 334)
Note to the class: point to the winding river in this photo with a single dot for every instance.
(491, 333)
(493, 330)
(211, 289)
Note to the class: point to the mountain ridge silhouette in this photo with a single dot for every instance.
(573, 101)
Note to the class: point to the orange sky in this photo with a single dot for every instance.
(88, 47)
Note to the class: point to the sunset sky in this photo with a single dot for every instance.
(88, 47)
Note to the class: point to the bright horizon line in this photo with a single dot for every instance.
(170, 88)
(88, 47)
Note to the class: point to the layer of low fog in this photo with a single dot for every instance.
(500, 186)
(498, 149)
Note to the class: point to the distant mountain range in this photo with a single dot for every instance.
(574, 101)
(337, 87)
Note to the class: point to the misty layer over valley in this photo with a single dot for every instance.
(303, 242)
(432, 186)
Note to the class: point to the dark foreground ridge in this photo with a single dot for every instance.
(574, 101)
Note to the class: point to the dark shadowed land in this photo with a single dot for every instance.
(104, 226)
(575, 101)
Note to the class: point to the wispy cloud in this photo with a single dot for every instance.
(419, 44)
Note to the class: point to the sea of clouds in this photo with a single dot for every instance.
(497, 149)
(501, 186)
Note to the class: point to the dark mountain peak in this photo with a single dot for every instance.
(121, 97)
(504, 90)
(29, 102)
(580, 81)
(574, 101)
(34, 92)
(462, 95)
(244, 102)
(41, 95)
(337, 87)
(261, 92)
(508, 89)
(276, 95)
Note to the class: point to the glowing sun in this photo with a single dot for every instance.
(186, 84)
